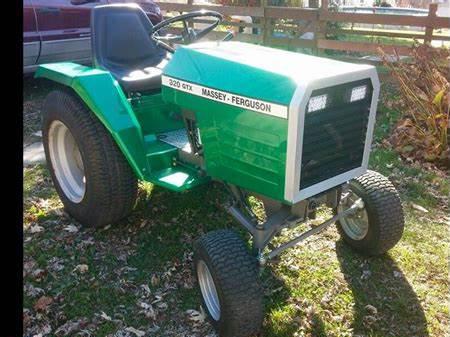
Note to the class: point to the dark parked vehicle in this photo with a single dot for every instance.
(59, 30)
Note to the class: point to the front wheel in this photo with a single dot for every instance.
(377, 227)
(92, 177)
(229, 284)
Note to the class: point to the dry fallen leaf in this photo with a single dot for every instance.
(26, 318)
(369, 320)
(158, 298)
(154, 280)
(419, 208)
(82, 268)
(162, 306)
(371, 309)
(146, 289)
(32, 291)
(28, 267)
(70, 327)
(138, 333)
(36, 229)
(105, 316)
(366, 274)
(38, 274)
(43, 330)
(71, 229)
(196, 316)
(42, 303)
(149, 312)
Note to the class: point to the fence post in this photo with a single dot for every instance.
(320, 25)
(264, 26)
(190, 23)
(429, 29)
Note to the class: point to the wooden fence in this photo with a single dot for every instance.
(297, 21)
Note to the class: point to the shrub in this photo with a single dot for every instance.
(332, 26)
(243, 3)
(422, 132)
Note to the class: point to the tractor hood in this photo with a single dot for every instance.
(265, 74)
(282, 124)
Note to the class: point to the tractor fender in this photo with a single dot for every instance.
(103, 95)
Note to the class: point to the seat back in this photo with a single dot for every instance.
(121, 39)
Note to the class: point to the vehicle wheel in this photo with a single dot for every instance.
(229, 284)
(378, 226)
(93, 179)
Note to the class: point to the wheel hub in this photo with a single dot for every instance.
(66, 161)
(208, 290)
(356, 225)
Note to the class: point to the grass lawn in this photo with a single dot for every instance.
(135, 278)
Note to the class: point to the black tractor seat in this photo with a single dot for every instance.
(121, 44)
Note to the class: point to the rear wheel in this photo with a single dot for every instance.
(90, 174)
(229, 284)
(378, 226)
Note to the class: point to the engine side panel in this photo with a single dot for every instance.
(242, 115)
(242, 147)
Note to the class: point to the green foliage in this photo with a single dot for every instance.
(422, 132)
(332, 25)
(252, 3)
(381, 3)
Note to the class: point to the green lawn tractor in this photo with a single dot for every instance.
(292, 130)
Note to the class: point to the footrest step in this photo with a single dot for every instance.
(177, 138)
(177, 179)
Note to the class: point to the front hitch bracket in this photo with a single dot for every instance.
(286, 216)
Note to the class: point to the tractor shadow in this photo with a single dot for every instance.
(398, 311)
(384, 303)
(295, 316)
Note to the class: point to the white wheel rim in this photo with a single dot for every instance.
(66, 161)
(356, 225)
(208, 290)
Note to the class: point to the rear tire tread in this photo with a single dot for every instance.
(112, 181)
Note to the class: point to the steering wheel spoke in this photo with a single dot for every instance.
(188, 35)
(171, 38)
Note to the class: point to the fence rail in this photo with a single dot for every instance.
(297, 21)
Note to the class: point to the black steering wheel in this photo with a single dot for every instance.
(188, 35)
